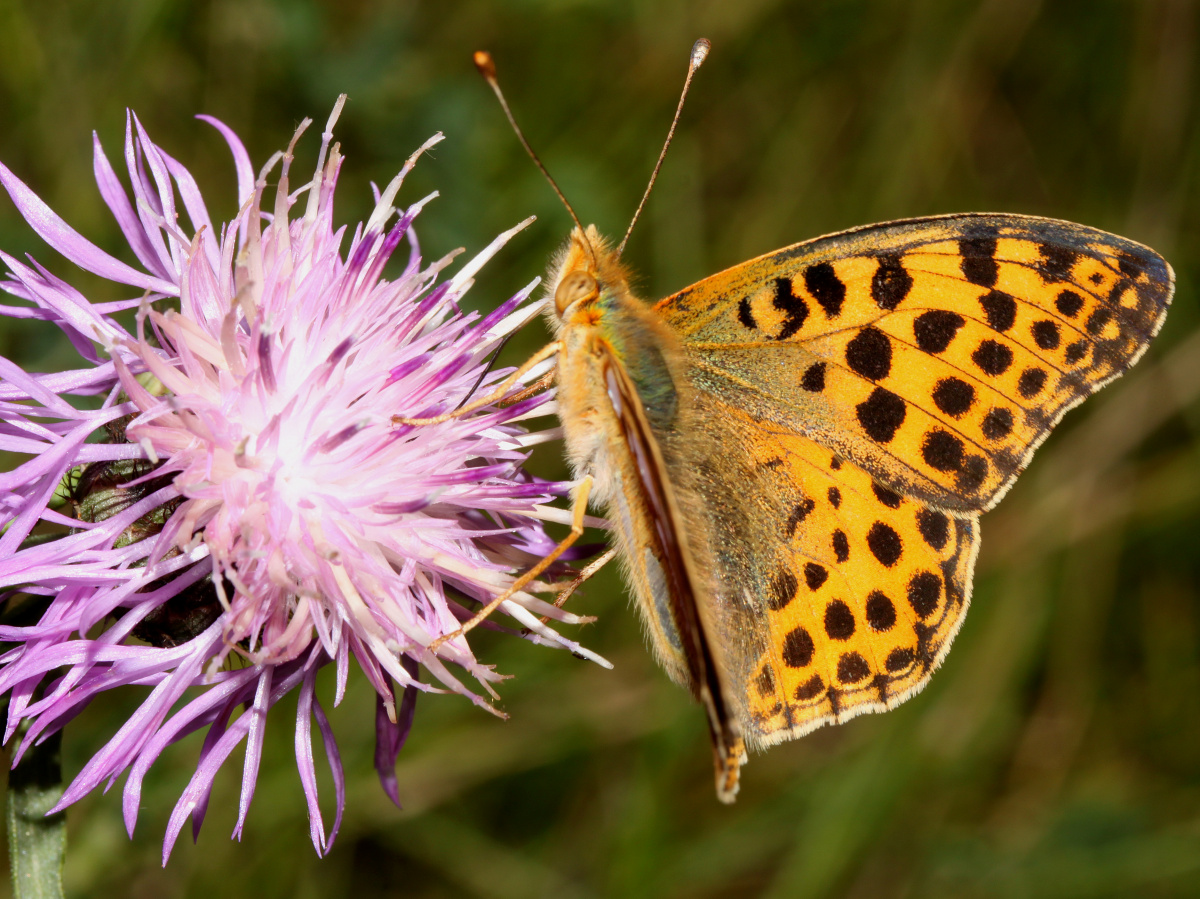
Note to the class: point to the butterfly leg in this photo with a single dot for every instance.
(536, 387)
(584, 574)
(578, 512)
(495, 396)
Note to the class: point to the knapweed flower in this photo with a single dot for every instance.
(219, 504)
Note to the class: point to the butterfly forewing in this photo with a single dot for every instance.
(936, 353)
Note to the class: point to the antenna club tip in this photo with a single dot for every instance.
(699, 51)
(485, 64)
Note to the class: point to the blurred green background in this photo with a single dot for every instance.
(1057, 752)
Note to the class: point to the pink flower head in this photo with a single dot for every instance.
(228, 481)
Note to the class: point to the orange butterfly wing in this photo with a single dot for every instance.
(860, 398)
(936, 353)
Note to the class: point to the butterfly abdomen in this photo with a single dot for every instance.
(601, 401)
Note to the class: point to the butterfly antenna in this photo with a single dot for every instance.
(699, 54)
(487, 68)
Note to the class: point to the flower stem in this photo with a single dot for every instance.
(37, 843)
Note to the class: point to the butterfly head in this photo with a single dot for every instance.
(584, 273)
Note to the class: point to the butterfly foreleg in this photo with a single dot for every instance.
(578, 513)
(495, 396)
(537, 386)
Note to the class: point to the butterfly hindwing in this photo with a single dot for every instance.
(936, 353)
(836, 596)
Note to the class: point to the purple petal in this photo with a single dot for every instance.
(58, 234)
(254, 744)
(116, 199)
(389, 737)
(334, 757)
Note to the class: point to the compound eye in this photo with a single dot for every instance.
(576, 286)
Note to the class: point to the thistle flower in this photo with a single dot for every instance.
(221, 501)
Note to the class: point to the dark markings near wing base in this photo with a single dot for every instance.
(814, 378)
(815, 575)
(799, 513)
(783, 589)
(793, 307)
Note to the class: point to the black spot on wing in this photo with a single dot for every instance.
(852, 668)
(826, 288)
(839, 621)
(794, 308)
(782, 589)
(935, 329)
(814, 378)
(1130, 265)
(998, 423)
(978, 260)
(746, 315)
(1046, 334)
(992, 358)
(841, 545)
(881, 611)
(899, 659)
(1057, 262)
(798, 648)
(869, 354)
(971, 474)
(934, 528)
(765, 682)
(1000, 310)
(1031, 382)
(1100, 317)
(810, 689)
(881, 414)
(924, 590)
(942, 450)
(815, 575)
(953, 396)
(799, 513)
(1068, 302)
(885, 496)
(891, 282)
(1076, 351)
(885, 544)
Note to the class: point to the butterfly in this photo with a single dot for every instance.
(794, 453)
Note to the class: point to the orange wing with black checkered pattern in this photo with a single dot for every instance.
(860, 398)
